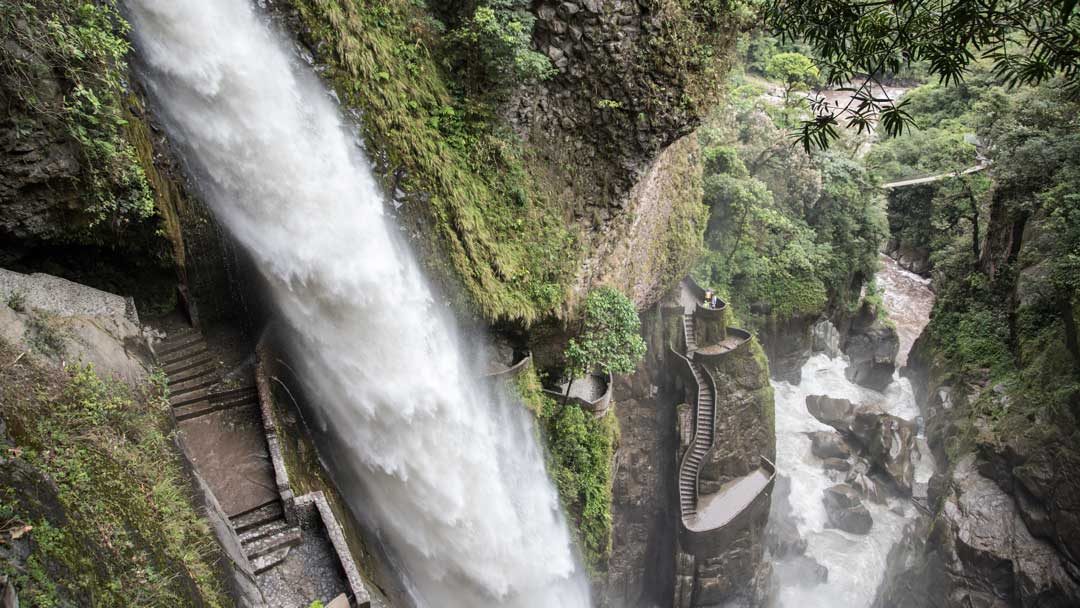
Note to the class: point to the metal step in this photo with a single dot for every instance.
(174, 343)
(202, 381)
(180, 354)
(264, 530)
(206, 406)
(188, 397)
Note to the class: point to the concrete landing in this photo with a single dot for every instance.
(718, 509)
(229, 449)
(311, 570)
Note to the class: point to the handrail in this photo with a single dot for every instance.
(697, 427)
(513, 370)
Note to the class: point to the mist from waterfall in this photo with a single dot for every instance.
(450, 472)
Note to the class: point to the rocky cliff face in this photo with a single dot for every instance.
(1001, 528)
(644, 512)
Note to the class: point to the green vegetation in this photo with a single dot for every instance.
(17, 301)
(94, 488)
(495, 233)
(581, 448)
(43, 334)
(788, 234)
(1024, 41)
(610, 339)
(82, 46)
(493, 48)
(795, 70)
(1005, 248)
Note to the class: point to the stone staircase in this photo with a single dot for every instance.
(192, 372)
(265, 536)
(704, 421)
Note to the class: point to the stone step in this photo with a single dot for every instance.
(208, 406)
(262, 514)
(188, 397)
(263, 563)
(187, 364)
(203, 380)
(174, 343)
(240, 392)
(264, 530)
(289, 537)
(186, 352)
(208, 367)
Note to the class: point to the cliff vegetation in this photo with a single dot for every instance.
(96, 509)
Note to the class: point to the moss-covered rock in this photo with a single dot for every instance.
(96, 505)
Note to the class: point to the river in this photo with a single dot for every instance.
(855, 563)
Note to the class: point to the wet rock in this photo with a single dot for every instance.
(860, 480)
(872, 346)
(826, 338)
(836, 464)
(837, 413)
(782, 537)
(826, 444)
(978, 552)
(886, 440)
(846, 510)
(889, 447)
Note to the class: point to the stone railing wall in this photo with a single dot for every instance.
(744, 337)
(513, 371)
(598, 406)
(705, 542)
(310, 510)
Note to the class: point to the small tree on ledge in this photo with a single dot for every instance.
(610, 339)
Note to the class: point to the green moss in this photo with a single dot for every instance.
(82, 46)
(505, 243)
(581, 450)
(111, 520)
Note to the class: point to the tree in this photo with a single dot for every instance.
(610, 340)
(795, 70)
(1027, 42)
(493, 48)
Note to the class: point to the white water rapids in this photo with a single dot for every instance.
(451, 474)
(856, 563)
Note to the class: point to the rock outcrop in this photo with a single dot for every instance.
(846, 511)
(826, 445)
(887, 441)
(978, 552)
(871, 346)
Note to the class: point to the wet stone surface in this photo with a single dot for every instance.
(310, 571)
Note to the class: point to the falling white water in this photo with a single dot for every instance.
(856, 563)
(451, 474)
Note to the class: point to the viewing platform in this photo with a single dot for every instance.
(591, 393)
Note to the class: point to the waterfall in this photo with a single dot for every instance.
(450, 473)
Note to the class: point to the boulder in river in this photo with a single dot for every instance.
(827, 444)
(859, 478)
(846, 510)
(872, 346)
(837, 413)
(836, 464)
(886, 440)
